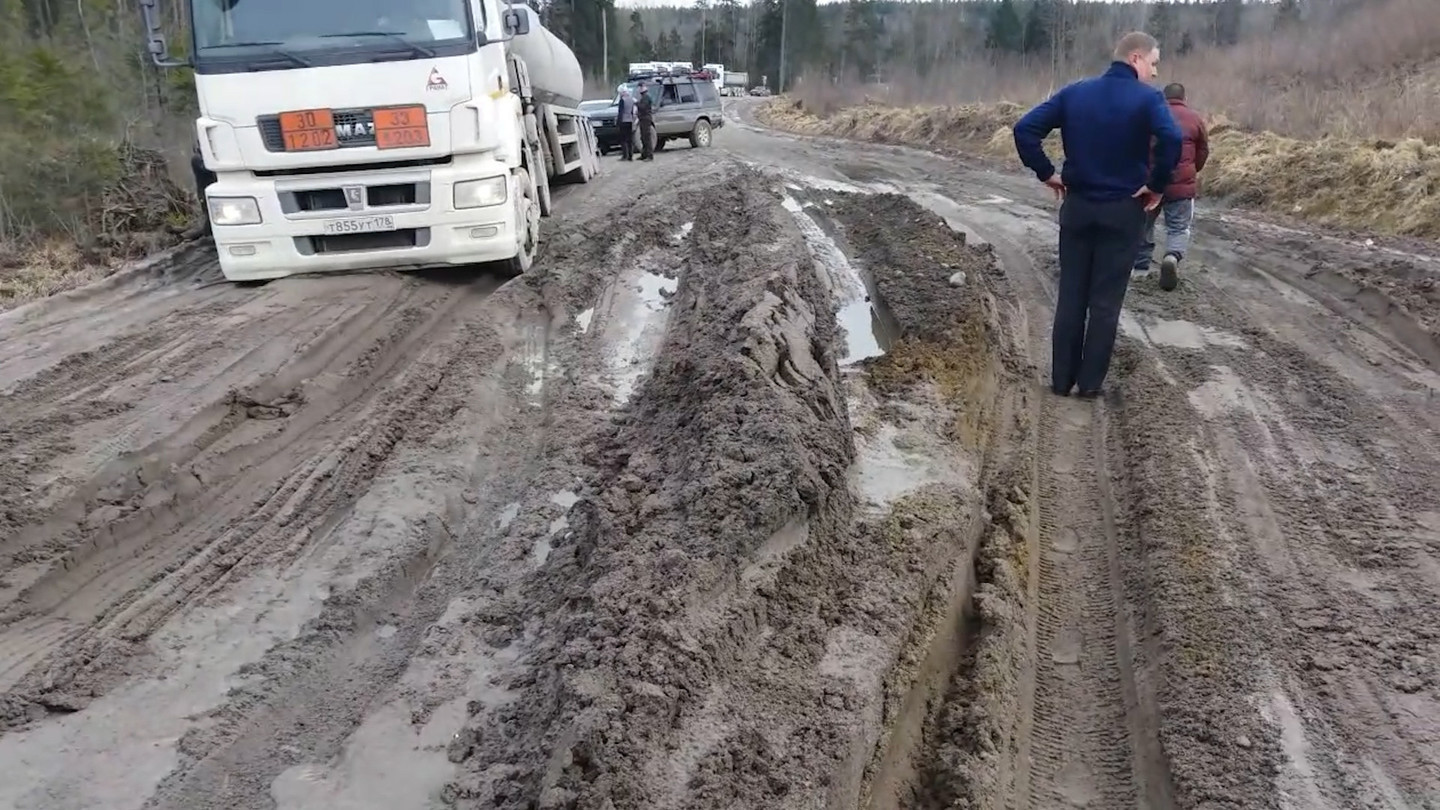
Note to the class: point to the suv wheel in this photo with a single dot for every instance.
(700, 135)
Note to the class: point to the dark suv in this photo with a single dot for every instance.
(686, 106)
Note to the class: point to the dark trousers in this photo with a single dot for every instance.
(627, 140)
(1097, 248)
(647, 139)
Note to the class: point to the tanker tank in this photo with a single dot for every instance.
(554, 71)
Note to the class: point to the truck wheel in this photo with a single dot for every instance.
(700, 135)
(527, 220)
(542, 182)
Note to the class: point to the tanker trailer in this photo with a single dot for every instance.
(334, 140)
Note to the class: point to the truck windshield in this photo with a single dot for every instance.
(235, 35)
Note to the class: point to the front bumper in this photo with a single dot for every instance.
(428, 230)
(607, 134)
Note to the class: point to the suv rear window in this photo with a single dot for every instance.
(687, 93)
(707, 92)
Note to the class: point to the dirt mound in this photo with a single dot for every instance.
(962, 128)
(735, 451)
(1382, 186)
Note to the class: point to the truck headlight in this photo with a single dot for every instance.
(481, 193)
(234, 211)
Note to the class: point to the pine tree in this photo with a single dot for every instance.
(641, 49)
(1007, 32)
(1287, 14)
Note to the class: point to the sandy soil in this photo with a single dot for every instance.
(750, 498)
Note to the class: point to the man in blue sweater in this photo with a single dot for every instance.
(1106, 125)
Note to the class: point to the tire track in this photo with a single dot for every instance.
(1078, 751)
(224, 494)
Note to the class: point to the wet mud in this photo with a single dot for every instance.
(750, 496)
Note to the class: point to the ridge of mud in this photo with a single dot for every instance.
(1319, 462)
(1198, 643)
(739, 431)
(961, 347)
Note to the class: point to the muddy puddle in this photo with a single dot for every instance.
(859, 319)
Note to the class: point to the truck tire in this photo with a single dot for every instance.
(700, 135)
(527, 218)
(538, 170)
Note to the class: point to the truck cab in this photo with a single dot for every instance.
(359, 134)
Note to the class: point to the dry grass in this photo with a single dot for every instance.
(1374, 185)
(1351, 142)
(48, 268)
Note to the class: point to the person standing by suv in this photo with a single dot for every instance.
(645, 114)
(625, 122)
(1179, 204)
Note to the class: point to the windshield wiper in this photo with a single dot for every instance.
(415, 47)
(292, 57)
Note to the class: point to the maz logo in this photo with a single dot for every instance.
(355, 129)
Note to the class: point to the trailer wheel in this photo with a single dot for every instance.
(527, 220)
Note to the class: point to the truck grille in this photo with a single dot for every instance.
(332, 198)
(353, 242)
(354, 127)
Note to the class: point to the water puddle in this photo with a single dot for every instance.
(535, 357)
(1187, 335)
(508, 515)
(771, 554)
(886, 467)
(540, 552)
(856, 317)
(636, 326)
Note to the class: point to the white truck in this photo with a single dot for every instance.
(717, 71)
(402, 134)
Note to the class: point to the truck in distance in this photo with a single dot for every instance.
(398, 134)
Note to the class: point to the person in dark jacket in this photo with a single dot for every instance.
(625, 123)
(1178, 206)
(645, 115)
(1107, 186)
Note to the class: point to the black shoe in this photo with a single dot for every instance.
(1169, 272)
(1061, 392)
(1090, 393)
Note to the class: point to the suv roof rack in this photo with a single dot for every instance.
(637, 75)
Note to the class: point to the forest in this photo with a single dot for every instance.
(94, 139)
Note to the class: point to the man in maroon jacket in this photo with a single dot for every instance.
(1179, 205)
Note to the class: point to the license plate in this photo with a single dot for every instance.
(336, 227)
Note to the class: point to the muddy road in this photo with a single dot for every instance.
(749, 497)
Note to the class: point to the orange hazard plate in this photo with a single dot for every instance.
(401, 127)
(308, 130)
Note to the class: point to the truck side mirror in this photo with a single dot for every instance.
(157, 46)
(516, 23)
